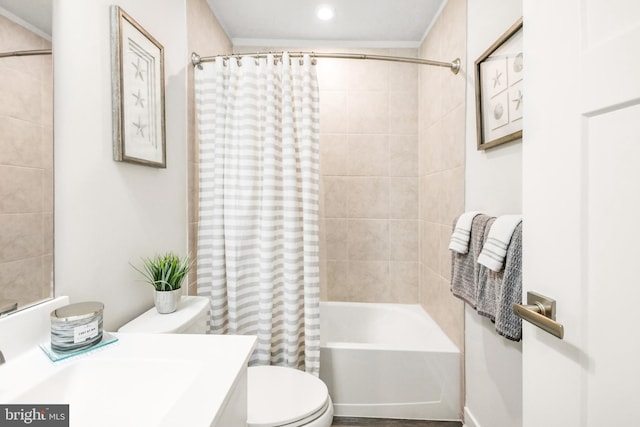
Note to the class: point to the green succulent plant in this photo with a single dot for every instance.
(165, 272)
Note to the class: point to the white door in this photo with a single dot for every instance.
(581, 205)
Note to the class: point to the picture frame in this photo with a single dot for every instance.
(137, 86)
(498, 84)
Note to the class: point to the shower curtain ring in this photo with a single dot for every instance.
(239, 61)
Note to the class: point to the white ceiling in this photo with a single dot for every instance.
(358, 23)
(36, 13)
(374, 23)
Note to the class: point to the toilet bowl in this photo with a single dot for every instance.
(277, 396)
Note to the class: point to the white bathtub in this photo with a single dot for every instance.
(388, 361)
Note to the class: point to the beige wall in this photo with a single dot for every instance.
(206, 37)
(369, 167)
(26, 167)
(442, 144)
(108, 213)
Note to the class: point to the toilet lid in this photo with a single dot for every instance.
(279, 396)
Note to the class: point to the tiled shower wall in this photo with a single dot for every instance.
(442, 144)
(369, 167)
(26, 167)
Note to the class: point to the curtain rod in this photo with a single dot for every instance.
(25, 53)
(454, 65)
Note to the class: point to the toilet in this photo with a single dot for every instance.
(277, 396)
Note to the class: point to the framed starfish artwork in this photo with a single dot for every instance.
(499, 101)
(137, 80)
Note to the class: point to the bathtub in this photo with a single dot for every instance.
(388, 361)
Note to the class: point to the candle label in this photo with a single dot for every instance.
(85, 332)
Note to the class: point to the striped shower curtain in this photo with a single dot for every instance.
(258, 247)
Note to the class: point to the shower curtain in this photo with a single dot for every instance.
(258, 247)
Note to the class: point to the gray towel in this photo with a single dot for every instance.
(489, 283)
(465, 267)
(510, 291)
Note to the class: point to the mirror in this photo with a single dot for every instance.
(26, 154)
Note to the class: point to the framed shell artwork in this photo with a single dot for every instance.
(499, 98)
(137, 79)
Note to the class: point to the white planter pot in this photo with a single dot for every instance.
(167, 301)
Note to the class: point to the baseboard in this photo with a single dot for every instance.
(469, 419)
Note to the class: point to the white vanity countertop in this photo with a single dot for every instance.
(141, 380)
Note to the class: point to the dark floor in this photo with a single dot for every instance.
(380, 422)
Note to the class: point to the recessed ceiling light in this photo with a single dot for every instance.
(325, 12)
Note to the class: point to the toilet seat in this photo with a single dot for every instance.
(288, 397)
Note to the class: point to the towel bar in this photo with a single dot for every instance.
(540, 311)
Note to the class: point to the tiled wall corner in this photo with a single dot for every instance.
(441, 166)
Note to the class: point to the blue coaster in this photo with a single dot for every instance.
(57, 356)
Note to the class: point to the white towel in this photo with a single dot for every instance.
(495, 248)
(462, 233)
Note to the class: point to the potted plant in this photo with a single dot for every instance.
(166, 274)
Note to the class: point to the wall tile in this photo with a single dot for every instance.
(21, 280)
(47, 147)
(47, 237)
(442, 136)
(432, 149)
(451, 133)
(20, 236)
(450, 314)
(403, 240)
(430, 187)
(46, 98)
(403, 155)
(403, 198)
(445, 254)
(368, 197)
(367, 112)
(333, 112)
(428, 288)
(430, 245)
(332, 74)
(193, 245)
(336, 238)
(46, 287)
(21, 190)
(335, 196)
(368, 76)
(451, 195)
(369, 281)
(20, 143)
(21, 97)
(404, 279)
(338, 285)
(368, 155)
(193, 192)
(403, 113)
(403, 77)
(47, 193)
(333, 154)
(368, 240)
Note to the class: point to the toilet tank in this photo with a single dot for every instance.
(189, 318)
